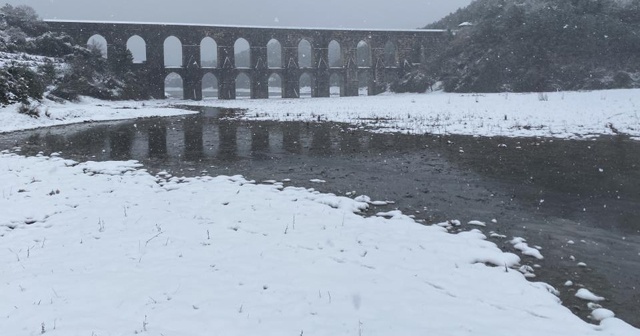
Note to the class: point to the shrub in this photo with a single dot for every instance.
(51, 44)
(48, 72)
(19, 84)
(30, 110)
(415, 81)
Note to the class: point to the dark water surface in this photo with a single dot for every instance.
(547, 191)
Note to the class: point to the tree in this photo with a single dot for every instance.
(23, 17)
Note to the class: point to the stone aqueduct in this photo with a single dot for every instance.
(409, 47)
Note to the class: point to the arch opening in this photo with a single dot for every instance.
(305, 54)
(172, 52)
(390, 55)
(363, 55)
(209, 86)
(336, 85)
(138, 48)
(173, 86)
(274, 54)
(243, 86)
(335, 55)
(307, 82)
(242, 53)
(98, 43)
(208, 53)
(275, 86)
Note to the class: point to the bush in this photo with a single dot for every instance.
(29, 81)
(48, 73)
(30, 110)
(89, 74)
(15, 39)
(19, 84)
(51, 44)
(415, 81)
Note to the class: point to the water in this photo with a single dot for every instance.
(548, 191)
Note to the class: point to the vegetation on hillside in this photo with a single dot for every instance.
(36, 62)
(535, 45)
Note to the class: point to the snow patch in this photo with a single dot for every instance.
(587, 295)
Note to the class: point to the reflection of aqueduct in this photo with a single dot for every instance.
(388, 54)
(200, 138)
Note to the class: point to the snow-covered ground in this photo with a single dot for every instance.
(560, 115)
(85, 111)
(107, 249)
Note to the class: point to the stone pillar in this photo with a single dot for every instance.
(192, 81)
(321, 56)
(228, 73)
(349, 54)
(260, 70)
(291, 71)
(377, 78)
(155, 67)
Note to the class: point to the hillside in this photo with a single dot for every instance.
(36, 63)
(536, 45)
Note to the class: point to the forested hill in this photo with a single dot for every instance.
(536, 45)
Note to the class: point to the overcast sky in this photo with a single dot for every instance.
(289, 13)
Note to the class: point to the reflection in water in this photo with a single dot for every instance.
(350, 142)
(120, 142)
(193, 138)
(228, 149)
(157, 133)
(321, 139)
(291, 138)
(259, 138)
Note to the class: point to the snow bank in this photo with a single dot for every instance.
(559, 115)
(107, 249)
(87, 110)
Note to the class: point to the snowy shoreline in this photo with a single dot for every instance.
(124, 252)
(87, 110)
(570, 115)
